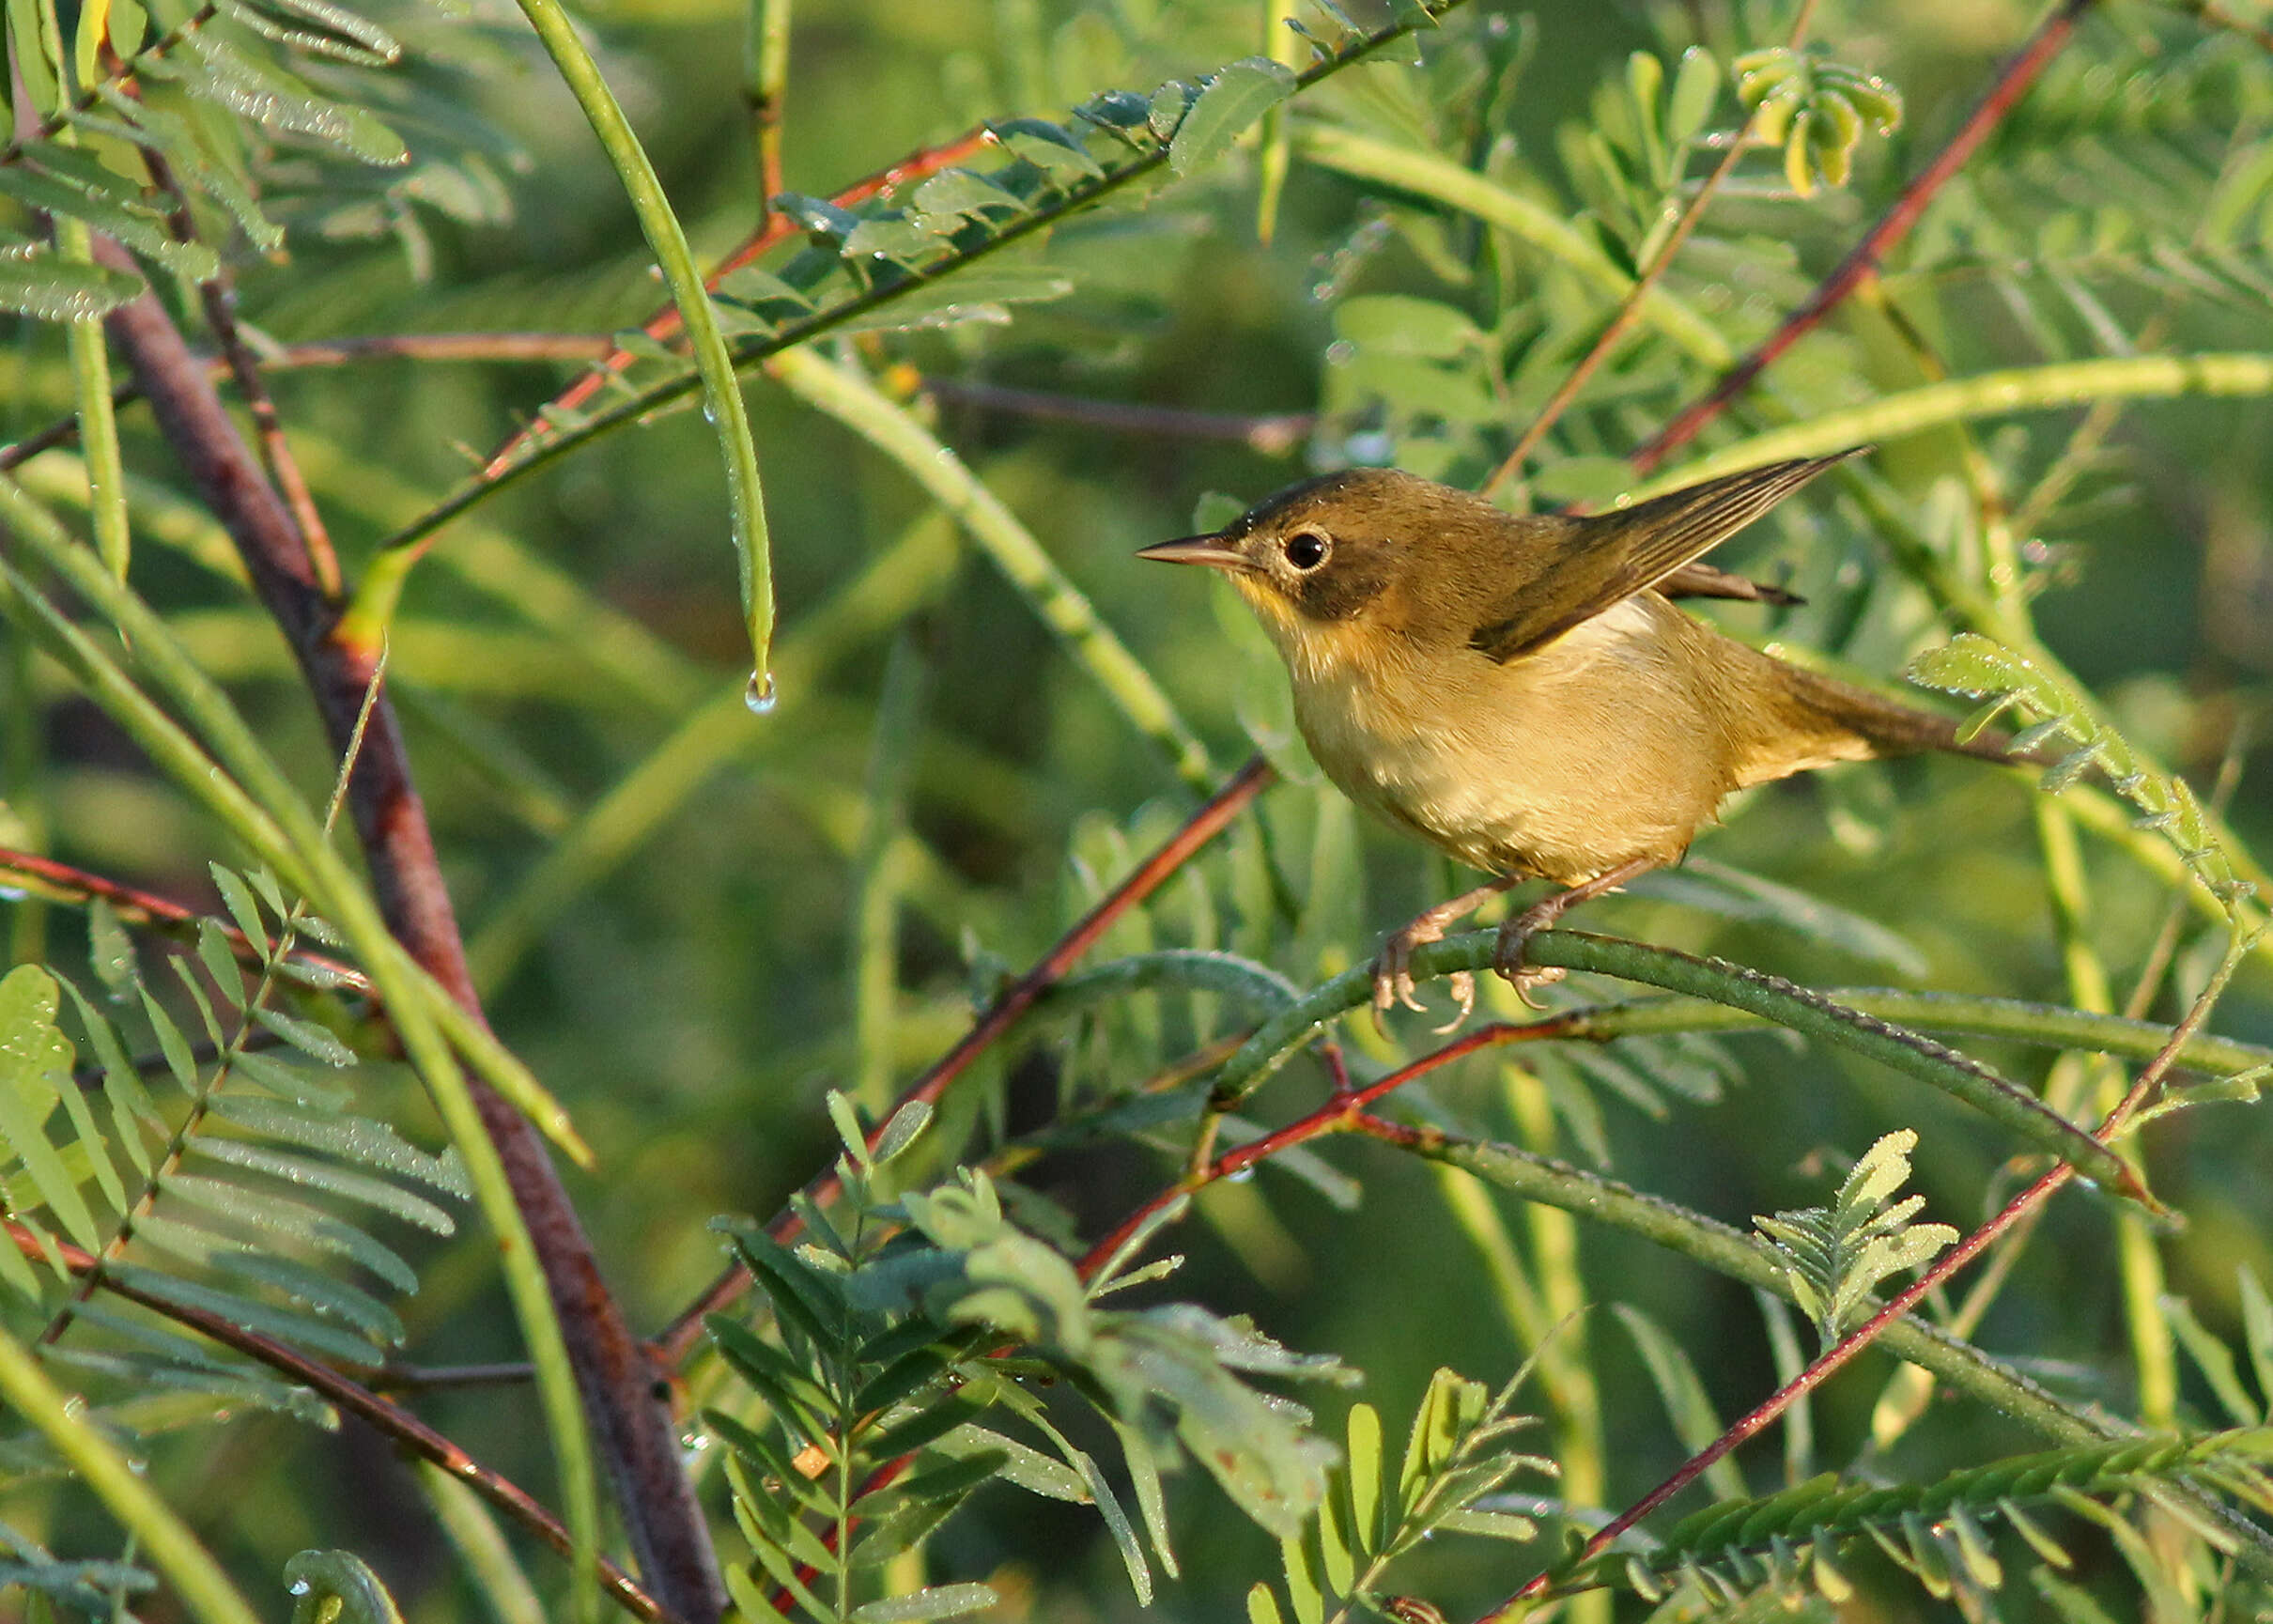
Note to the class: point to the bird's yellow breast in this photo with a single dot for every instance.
(1546, 765)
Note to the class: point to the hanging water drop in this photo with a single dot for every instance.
(759, 695)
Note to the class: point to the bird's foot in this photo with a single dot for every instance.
(1507, 956)
(1392, 981)
(1392, 971)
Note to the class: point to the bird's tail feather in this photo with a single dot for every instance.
(1890, 728)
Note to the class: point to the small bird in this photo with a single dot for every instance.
(1521, 692)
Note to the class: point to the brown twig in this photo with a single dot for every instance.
(2013, 80)
(629, 1411)
(1203, 826)
(390, 1420)
(219, 298)
(1942, 1268)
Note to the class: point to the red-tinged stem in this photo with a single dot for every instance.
(777, 228)
(388, 1420)
(1344, 1110)
(1943, 1267)
(1148, 876)
(140, 907)
(2019, 72)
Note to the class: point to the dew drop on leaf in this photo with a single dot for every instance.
(759, 695)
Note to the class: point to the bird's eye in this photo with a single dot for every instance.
(1306, 550)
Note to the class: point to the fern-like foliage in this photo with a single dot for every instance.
(247, 1191)
(904, 1329)
(1790, 1541)
(1980, 668)
(1457, 1453)
(900, 263)
(245, 105)
(1835, 1257)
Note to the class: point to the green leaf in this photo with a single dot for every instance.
(1399, 324)
(34, 282)
(960, 191)
(306, 1036)
(34, 1067)
(1363, 1469)
(1021, 1466)
(904, 1127)
(312, 1226)
(1696, 87)
(110, 949)
(335, 1587)
(341, 1181)
(1144, 1477)
(1052, 148)
(1236, 98)
(252, 1314)
(922, 1606)
(967, 296)
(237, 896)
(1262, 1606)
(849, 1130)
(358, 1139)
(212, 67)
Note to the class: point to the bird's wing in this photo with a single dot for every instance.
(1620, 553)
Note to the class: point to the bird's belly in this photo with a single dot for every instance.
(1511, 774)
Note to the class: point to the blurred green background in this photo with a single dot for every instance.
(692, 994)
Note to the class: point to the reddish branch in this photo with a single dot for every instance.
(2021, 1206)
(148, 908)
(626, 1403)
(1344, 1111)
(1148, 876)
(391, 1420)
(2013, 80)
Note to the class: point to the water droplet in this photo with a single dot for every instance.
(759, 695)
(300, 1587)
(1243, 1175)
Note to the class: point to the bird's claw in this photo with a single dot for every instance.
(1464, 997)
(1508, 959)
(1393, 983)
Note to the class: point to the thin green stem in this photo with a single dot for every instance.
(767, 79)
(723, 401)
(2052, 385)
(1794, 1008)
(1275, 152)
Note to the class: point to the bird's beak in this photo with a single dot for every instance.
(1213, 550)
